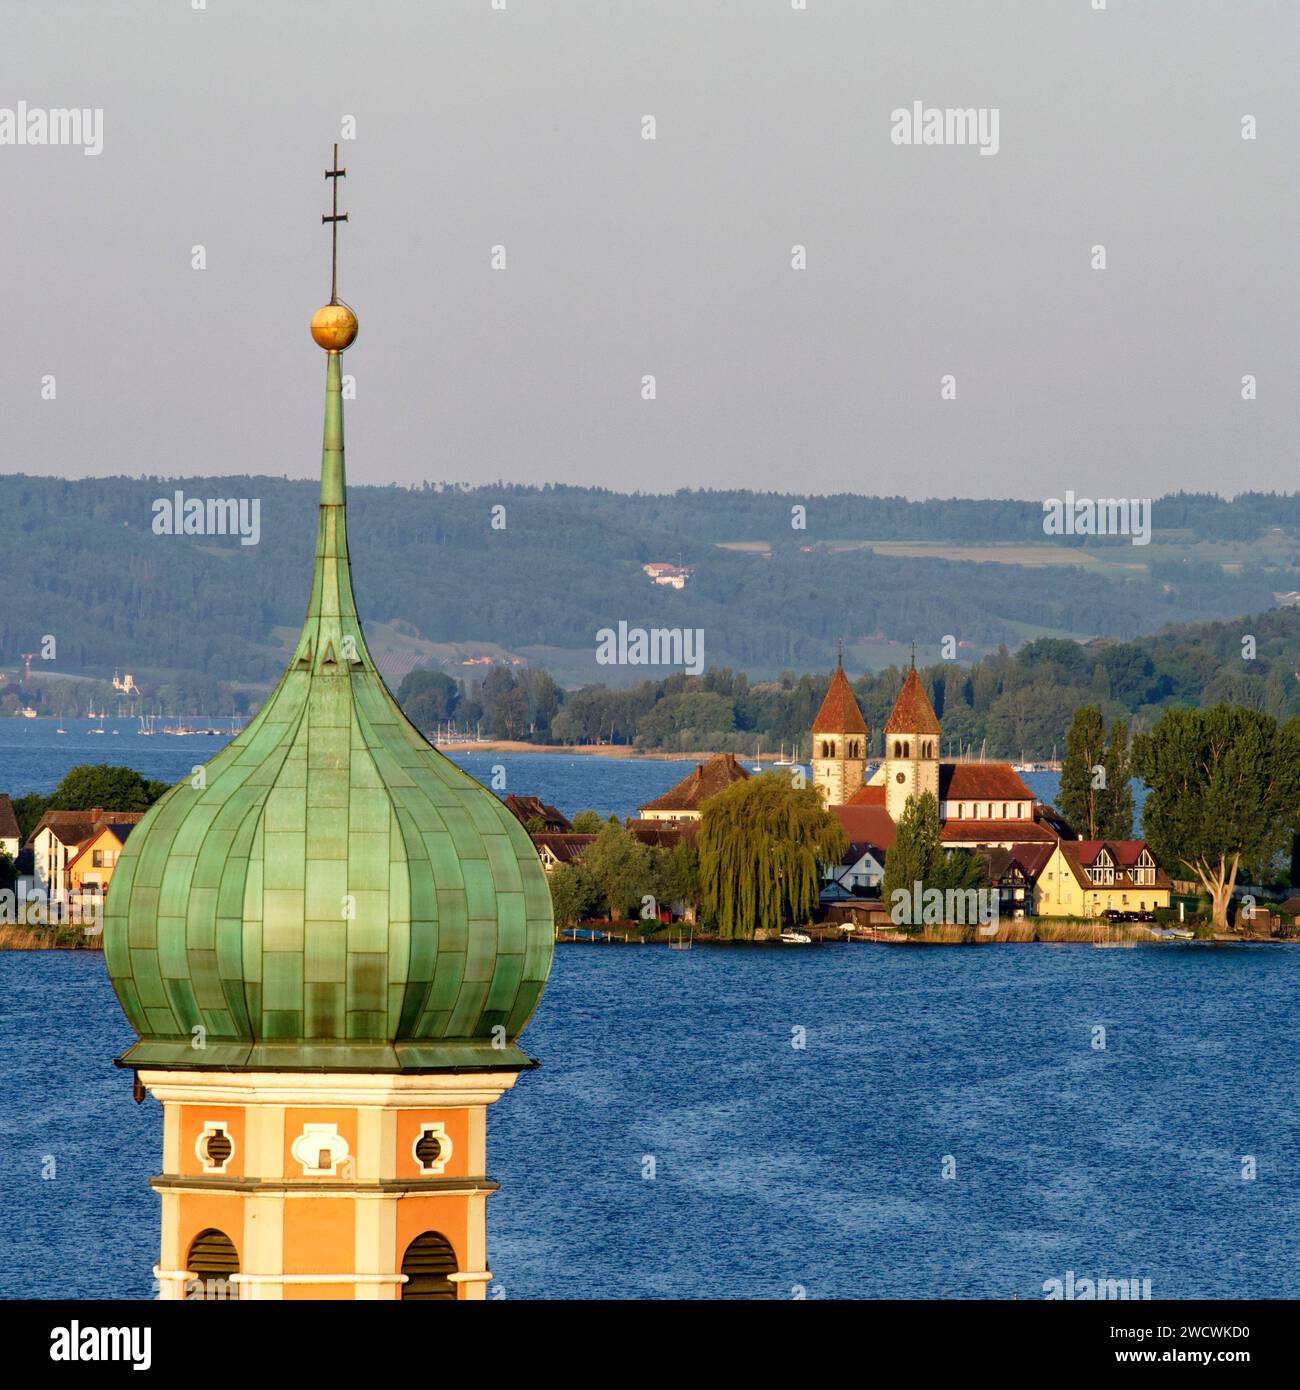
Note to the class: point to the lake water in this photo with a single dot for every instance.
(778, 1168)
(34, 757)
(775, 1167)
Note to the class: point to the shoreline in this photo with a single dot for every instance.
(588, 750)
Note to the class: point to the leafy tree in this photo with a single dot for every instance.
(1115, 801)
(918, 849)
(762, 843)
(509, 716)
(960, 869)
(1079, 800)
(680, 875)
(918, 856)
(619, 867)
(1223, 793)
(429, 698)
(112, 788)
(587, 823)
(572, 895)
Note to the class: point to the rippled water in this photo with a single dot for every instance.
(775, 1168)
(778, 1168)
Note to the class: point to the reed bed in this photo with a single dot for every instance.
(18, 937)
(1024, 930)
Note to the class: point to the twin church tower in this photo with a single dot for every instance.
(841, 740)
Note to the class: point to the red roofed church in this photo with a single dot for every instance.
(982, 806)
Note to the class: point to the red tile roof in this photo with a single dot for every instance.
(981, 782)
(839, 713)
(707, 780)
(566, 848)
(74, 827)
(526, 808)
(662, 834)
(870, 825)
(1081, 856)
(912, 713)
(1124, 852)
(1032, 859)
(868, 795)
(965, 832)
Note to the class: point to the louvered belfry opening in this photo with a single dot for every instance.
(212, 1260)
(427, 1264)
(429, 1149)
(219, 1148)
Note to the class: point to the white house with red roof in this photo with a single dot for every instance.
(59, 838)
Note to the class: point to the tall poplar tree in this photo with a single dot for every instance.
(1115, 800)
(1085, 751)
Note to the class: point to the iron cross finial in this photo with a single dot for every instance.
(913, 656)
(334, 219)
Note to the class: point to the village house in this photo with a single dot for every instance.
(10, 837)
(553, 849)
(685, 801)
(667, 575)
(566, 847)
(858, 875)
(528, 810)
(60, 837)
(1088, 878)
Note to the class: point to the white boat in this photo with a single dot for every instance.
(796, 938)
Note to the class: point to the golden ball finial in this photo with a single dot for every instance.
(334, 326)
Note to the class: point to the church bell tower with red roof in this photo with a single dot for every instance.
(912, 736)
(839, 737)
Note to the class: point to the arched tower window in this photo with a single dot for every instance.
(212, 1260)
(907, 748)
(428, 1264)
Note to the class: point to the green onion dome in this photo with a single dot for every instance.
(331, 893)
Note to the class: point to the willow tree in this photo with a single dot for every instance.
(762, 844)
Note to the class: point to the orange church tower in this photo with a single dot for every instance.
(839, 737)
(328, 940)
(912, 735)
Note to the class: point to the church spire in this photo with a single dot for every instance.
(332, 631)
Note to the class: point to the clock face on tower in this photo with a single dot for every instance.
(900, 777)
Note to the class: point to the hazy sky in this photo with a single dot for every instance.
(478, 127)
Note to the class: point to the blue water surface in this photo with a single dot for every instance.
(675, 1142)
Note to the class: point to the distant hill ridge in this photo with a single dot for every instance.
(83, 563)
